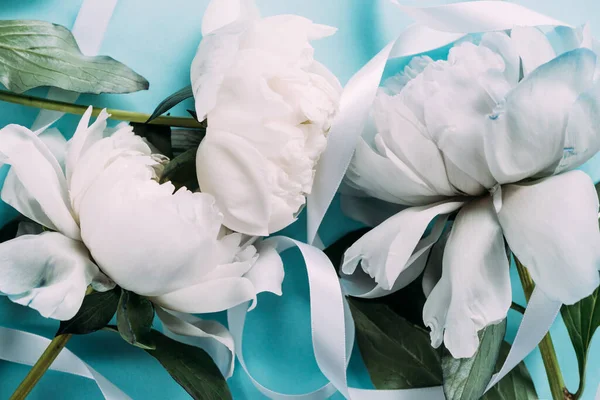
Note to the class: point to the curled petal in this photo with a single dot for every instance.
(582, 138)
(85, 136)
(48, 272)
(41, 193)
(215, 55)
(405, 137)
(534, 117)
(208, 297)
(238, 176)
(384, 252)
(387, 179)
(209, 335)
(552, 227)
(267, 273)
(99, 155)
(533, 47)
(433, 269)
(474, 290)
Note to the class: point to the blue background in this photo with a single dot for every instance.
(158, 39)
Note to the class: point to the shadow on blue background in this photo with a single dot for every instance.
(158, 39)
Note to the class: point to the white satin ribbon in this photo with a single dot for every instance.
(89, 30)
(331, 322)
(538, 318)
(26, 348)
(332, 330)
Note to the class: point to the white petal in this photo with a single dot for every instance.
(56, 143)
(209, 335)
(220, 13)
(208, 297)
(405, 137)
(455, 114)
(387, 180)
(147, 239)
(215, 55)
(564, 39)
(48, 272)
(525, 137)
(474, 290)
(533, 47)
(552, 227)
(383, 252)
(582, 139)
(85, 136)
(42, 193)
(238, 176)
(99, 156)
(502, 44)
(433, 269)
(267, 273)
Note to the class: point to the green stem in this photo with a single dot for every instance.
(120, 115)
(555, 378)
(40, 367)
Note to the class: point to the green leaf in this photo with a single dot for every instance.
(38, 53)
(95, 313)
(134, 320)
(191, 367)
(158, 135)
(516, 385)
(467, 378)
(582, 320)
(181, 171)
(397, 354)
(171, 101)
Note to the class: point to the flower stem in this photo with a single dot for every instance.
(40, 367)
(555, 378)
(120, 115)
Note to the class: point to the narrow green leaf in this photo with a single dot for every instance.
(157, 135)
(134, 319)
(467, 378)
(516, 385)
(95, 313)
(171, 101)
(38, 53)
(397, 354)
(582, 319)
(191, 367)
(181, 171)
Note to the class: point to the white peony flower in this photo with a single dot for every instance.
(269, 106)
(494, 133)
(110, 218)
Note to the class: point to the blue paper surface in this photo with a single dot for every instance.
(158, 39)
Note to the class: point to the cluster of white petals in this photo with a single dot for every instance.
(110, 221)
(495, 133)
(269, 107)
